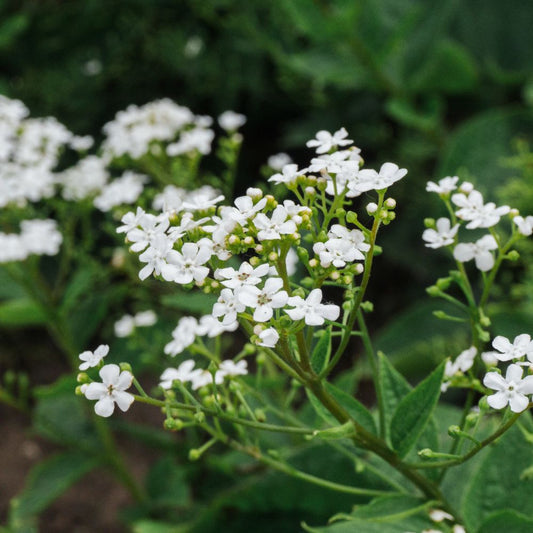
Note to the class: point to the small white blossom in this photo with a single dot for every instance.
(230, 368)
(91, 359)
(289, 174)
(478, 214)
(443, 235)
(463, 362)
(511, 390)
(312, 310)
(480, 251)
(227, 307)
(522, 346)
(444, 186)
(264, 300)
(276, 226)
(189, 263)
(125, 326)
(183, 336)
(524, 225)
(278, 161)
(184, 373)
(231, 121)
(268, 337)
(204, 377)
(246, 275)
(110, 391)
(325, 141)
(388, 174)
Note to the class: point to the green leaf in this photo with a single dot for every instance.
(387, 508)
(9, 288)
(449, 69)
(79, 286)
(359, 525)
(472, 147)
(191, 302)
(497, 483)
(508, 521)
(151, 526)
(60, 415)
(166, 484)
(394, 387)
(355, 408)
(21, 312)
(321, 352)
(11, 28)
(414, 412)
(47, 481)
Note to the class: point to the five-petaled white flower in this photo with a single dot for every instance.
(185, 372)
(230, 368)
(312, 310)
(188, 263)
(389, 173)
(511, 390)
(267, 337)
(93, 358)
(444, 186)
(478, 214)
(110, 391)
(246, 275)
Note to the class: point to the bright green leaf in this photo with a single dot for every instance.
(508, 521)
(414, 412)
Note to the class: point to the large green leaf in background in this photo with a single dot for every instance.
(477, 148)
(498, 484)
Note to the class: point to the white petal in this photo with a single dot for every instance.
(514, 373)
(493, 380)
(110, 374)
(518, 402)
(498, 400)
(104, 407)
(124, 381)
(484, 261)
(123, 399)
(95, 391)
(263, 313)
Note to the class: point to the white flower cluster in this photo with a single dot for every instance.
(513, 390)
(472, 210)
(37, 237)
(29, 151)
(187, 373)
(190, 241)
(138, 130)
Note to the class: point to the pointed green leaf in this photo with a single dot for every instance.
(355, 408)
(321, 352)
(394, 387)
(414, 412)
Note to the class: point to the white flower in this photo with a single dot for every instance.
(245, 209)
(151, 226)
(183, 335)
(445, 185)
(512, 390)
(230, 368)
(525, 225)
(131, 220)
(438, 515)
(268, 337)
(145, 318)
(123, 190)
(189, 263)
(210, 326)
(204, 377)
(156, 258)
(289, 174)
(324, 141)
(265, 300)
(311, 309)
(202, 198)
(442, 236)
(338, 252)
(276, 226)
(278, 161)
(92, 359)
(355, 237)
(480, 251)
(227, 307)
(388, 174)
(40, 237)
(521, 346)
(110, 391)
(478, 214)
(185, 372)
(231, 121)
(463, 362)
(246, 275)
(124, 327)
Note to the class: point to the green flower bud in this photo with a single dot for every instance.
(260, 415)
(194, 454)
(351, 217)
(82, 377)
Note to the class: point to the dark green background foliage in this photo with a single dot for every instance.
(439, 87)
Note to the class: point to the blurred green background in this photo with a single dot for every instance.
(439, 87)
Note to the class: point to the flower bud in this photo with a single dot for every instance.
(371, 208)
(82, 377)
(194, 454)
(254, 193)
(173, 424)
(334, 275)
(390, 203)
(359, 269)
(310, 191)
(260, 415)
(513, 255)
(454, 431)
(273, 256)
(125, 367)
(443, 283)
(351, 217)
(513, 213)
(313, 263)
